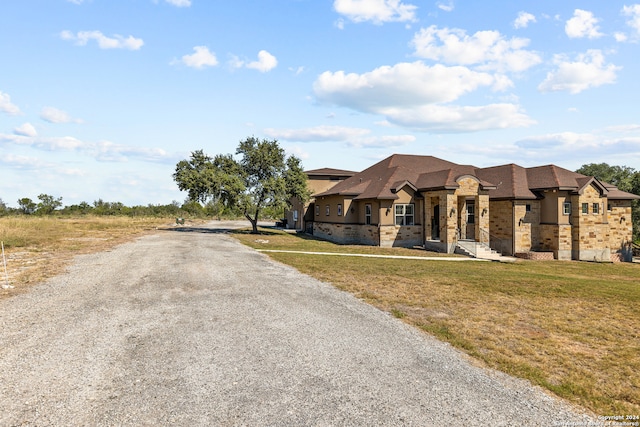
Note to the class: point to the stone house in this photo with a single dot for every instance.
(409, 200)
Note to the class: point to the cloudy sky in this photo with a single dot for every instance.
(101, 98)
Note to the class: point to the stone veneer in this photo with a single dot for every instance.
(536, 256)
(403, 236)
(347, 234)
(556, 238)
(620, 228)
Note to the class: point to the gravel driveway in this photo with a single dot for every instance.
(192, 328)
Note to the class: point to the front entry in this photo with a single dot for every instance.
(470, 232)
(435, 223)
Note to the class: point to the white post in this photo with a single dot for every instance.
(4, 261)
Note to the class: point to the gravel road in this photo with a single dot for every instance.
(190, 328)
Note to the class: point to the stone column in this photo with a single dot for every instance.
(448, 221)
(482, 218)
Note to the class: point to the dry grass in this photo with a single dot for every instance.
(37, 248)
(570, 327)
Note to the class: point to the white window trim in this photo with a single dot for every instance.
(566, 205)
(404, 214)
(368, 215)
(339, 209)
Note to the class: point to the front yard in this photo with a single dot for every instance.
(570, 327)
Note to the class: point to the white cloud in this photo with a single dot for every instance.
(266, 62)
(179, 3)
(410, 84)
(620, 37)
(587, 71)
(318, 133)
(583, 24)
(488, 50)
(523, 20)
(6, 106)
(104, 42)
(634, 12)
(376, 11)
(54, 115)
(76, 1)
(297, 70)
(202, 57)
(353, 137)
(26, 129)
(582, 145)
(445, 118)
(384, 141)
(22, 162)
(102, 151)
(447, 7)
(409, 94)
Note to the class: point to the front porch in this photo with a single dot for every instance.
(457, 215)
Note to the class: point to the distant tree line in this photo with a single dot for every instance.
(47, 205)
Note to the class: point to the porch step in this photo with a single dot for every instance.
(477, 250)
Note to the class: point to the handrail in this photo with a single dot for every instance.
(493, 242)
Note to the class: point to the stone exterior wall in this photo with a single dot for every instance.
(556, 238)
(405, 236)
(620, 228)
(347, 234)
(501, 226)
(620, 224)
(536, 256)
(590, 234)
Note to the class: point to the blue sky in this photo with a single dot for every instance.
(101, 98)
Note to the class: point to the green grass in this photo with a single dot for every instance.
(570, 327)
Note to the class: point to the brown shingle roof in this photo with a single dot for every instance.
(510, 181)
(330, 172)
(380, 180)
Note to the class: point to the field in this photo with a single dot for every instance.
(40, 247)
(570, 327)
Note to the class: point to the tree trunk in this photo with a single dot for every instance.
(254, 223)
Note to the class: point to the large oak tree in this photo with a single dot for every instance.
(261, 177)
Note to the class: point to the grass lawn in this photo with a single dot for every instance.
(570, 327)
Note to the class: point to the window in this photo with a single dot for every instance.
(471, 217)
(609, 207)
(528, 208)
(367, 214)
(566, 208)
(317, 210)
(328, 210)
(585, 208)
(596, 208)
(339, 209)
(404, 214)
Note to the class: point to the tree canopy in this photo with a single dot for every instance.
(262, 177)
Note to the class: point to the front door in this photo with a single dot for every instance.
(435, 223)
(471, 220)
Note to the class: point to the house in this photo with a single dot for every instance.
(410, 200)
(299, 216)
